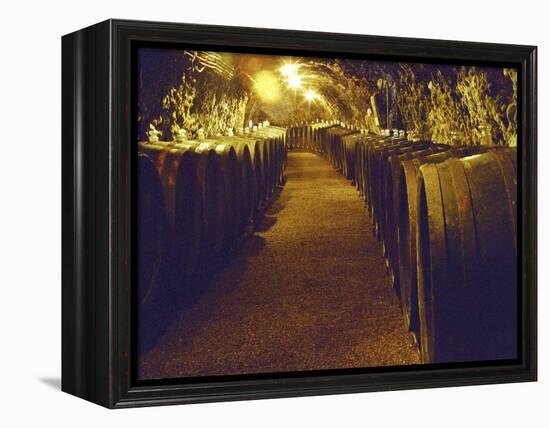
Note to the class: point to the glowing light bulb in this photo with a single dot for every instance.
(310, 95)
(289, 69)
(294, 81)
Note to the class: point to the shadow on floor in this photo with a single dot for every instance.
(191, 289)
(52, 382)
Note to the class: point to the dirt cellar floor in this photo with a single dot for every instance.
(307, 291)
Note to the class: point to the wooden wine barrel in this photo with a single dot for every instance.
(278, 161)
(272, 166)
(184, 205)
(349, 158)
(248, 183)
(155, 285)
(275, 163)
(281, 166)
(335, 149)
(361, 153)
(263, 171)
(370, 172)
(353, 162)
(466, 261)
(273, 137)
(309, 138)
(506, 158)
(296, 136)
(336, 152)
(312, 143)
(314, 135)
(255, 153)
(330, 145)
(211, 182)
(383, 196)
(290, 137)
(389, 216)
(406, 210)
(153, 232)
(512, 152)
(378, 153)
(300, 137)
(325, 140)
(232, 196)
(357, 160)
(248, 159)
(360, 167)
(304, 131)
(493, 184)
(282, 149)
(157, 152)
(306, 142)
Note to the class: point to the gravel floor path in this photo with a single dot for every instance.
(307, 291)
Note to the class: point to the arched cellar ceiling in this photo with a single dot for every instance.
(215, 92)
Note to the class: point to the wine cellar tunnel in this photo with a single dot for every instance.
(329, 226)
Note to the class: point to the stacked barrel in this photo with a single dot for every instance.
(197, 199)
(446, 220)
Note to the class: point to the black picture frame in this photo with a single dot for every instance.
(97, 246)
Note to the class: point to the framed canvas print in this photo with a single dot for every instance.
(252, 213)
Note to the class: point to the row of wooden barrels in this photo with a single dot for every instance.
(196, 199)
(446, 218)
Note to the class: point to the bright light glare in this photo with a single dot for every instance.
(294, 81)
(289, 69)
(267, 86)
(293, 78)
(310, 95)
